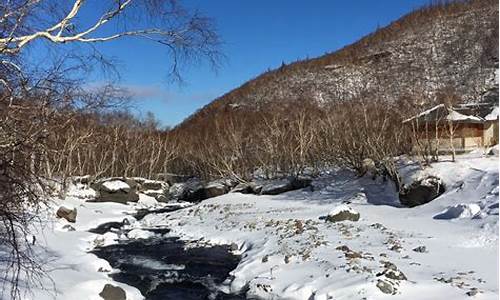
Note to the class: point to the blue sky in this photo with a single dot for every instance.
(257, 35)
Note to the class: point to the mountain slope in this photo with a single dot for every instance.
(444, 48)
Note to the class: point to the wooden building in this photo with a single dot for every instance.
(458, 128)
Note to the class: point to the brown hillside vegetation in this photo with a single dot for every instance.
(335, 110)
(447, 44)
(346, 106)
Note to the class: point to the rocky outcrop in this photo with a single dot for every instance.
(67, 213)
(421, 191)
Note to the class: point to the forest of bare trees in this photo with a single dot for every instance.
(53, 128)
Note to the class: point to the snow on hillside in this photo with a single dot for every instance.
(447, 248)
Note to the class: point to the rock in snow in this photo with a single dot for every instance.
(111, 292)
(342, 213)
(115, 186)
(244, 188)
(273, 186)
(215, 188)
(120, 190)
(67, 213)
(421, 191)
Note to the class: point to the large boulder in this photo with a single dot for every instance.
(278, 186)
(67, 213)
(244, 188)
(190, 191)
(215, 188)
(111, 292)
(116, 189)
(421, 191)
(154, 188)
(273, 186)
(153, 185)
(177, 191)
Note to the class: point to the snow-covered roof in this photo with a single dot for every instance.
(465, 113)
(456, 116)
(425, 113)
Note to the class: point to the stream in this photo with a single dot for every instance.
(168, 268)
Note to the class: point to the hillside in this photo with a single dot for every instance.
(443, 48)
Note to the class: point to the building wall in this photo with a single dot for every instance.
(490, 133)
(466, 137)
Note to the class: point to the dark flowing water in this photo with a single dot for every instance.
(162, 268)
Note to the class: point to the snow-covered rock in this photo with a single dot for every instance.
(215, 188)
(342, 213)
(68, 213)
(147, 201)
(421, 191)
(459, 211)
(277, 186)
(115, 186)
(244, 188)
(120, 190)
(139, 234)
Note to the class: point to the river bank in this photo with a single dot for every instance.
(283, 246)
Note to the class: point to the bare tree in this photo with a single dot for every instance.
(40, 101)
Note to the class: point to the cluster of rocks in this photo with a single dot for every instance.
(389, 278)
(184, 188)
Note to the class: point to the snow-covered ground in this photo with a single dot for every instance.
(72, 272)
(290, 253)
(444, 249)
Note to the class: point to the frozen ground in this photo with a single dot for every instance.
(446, 249)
